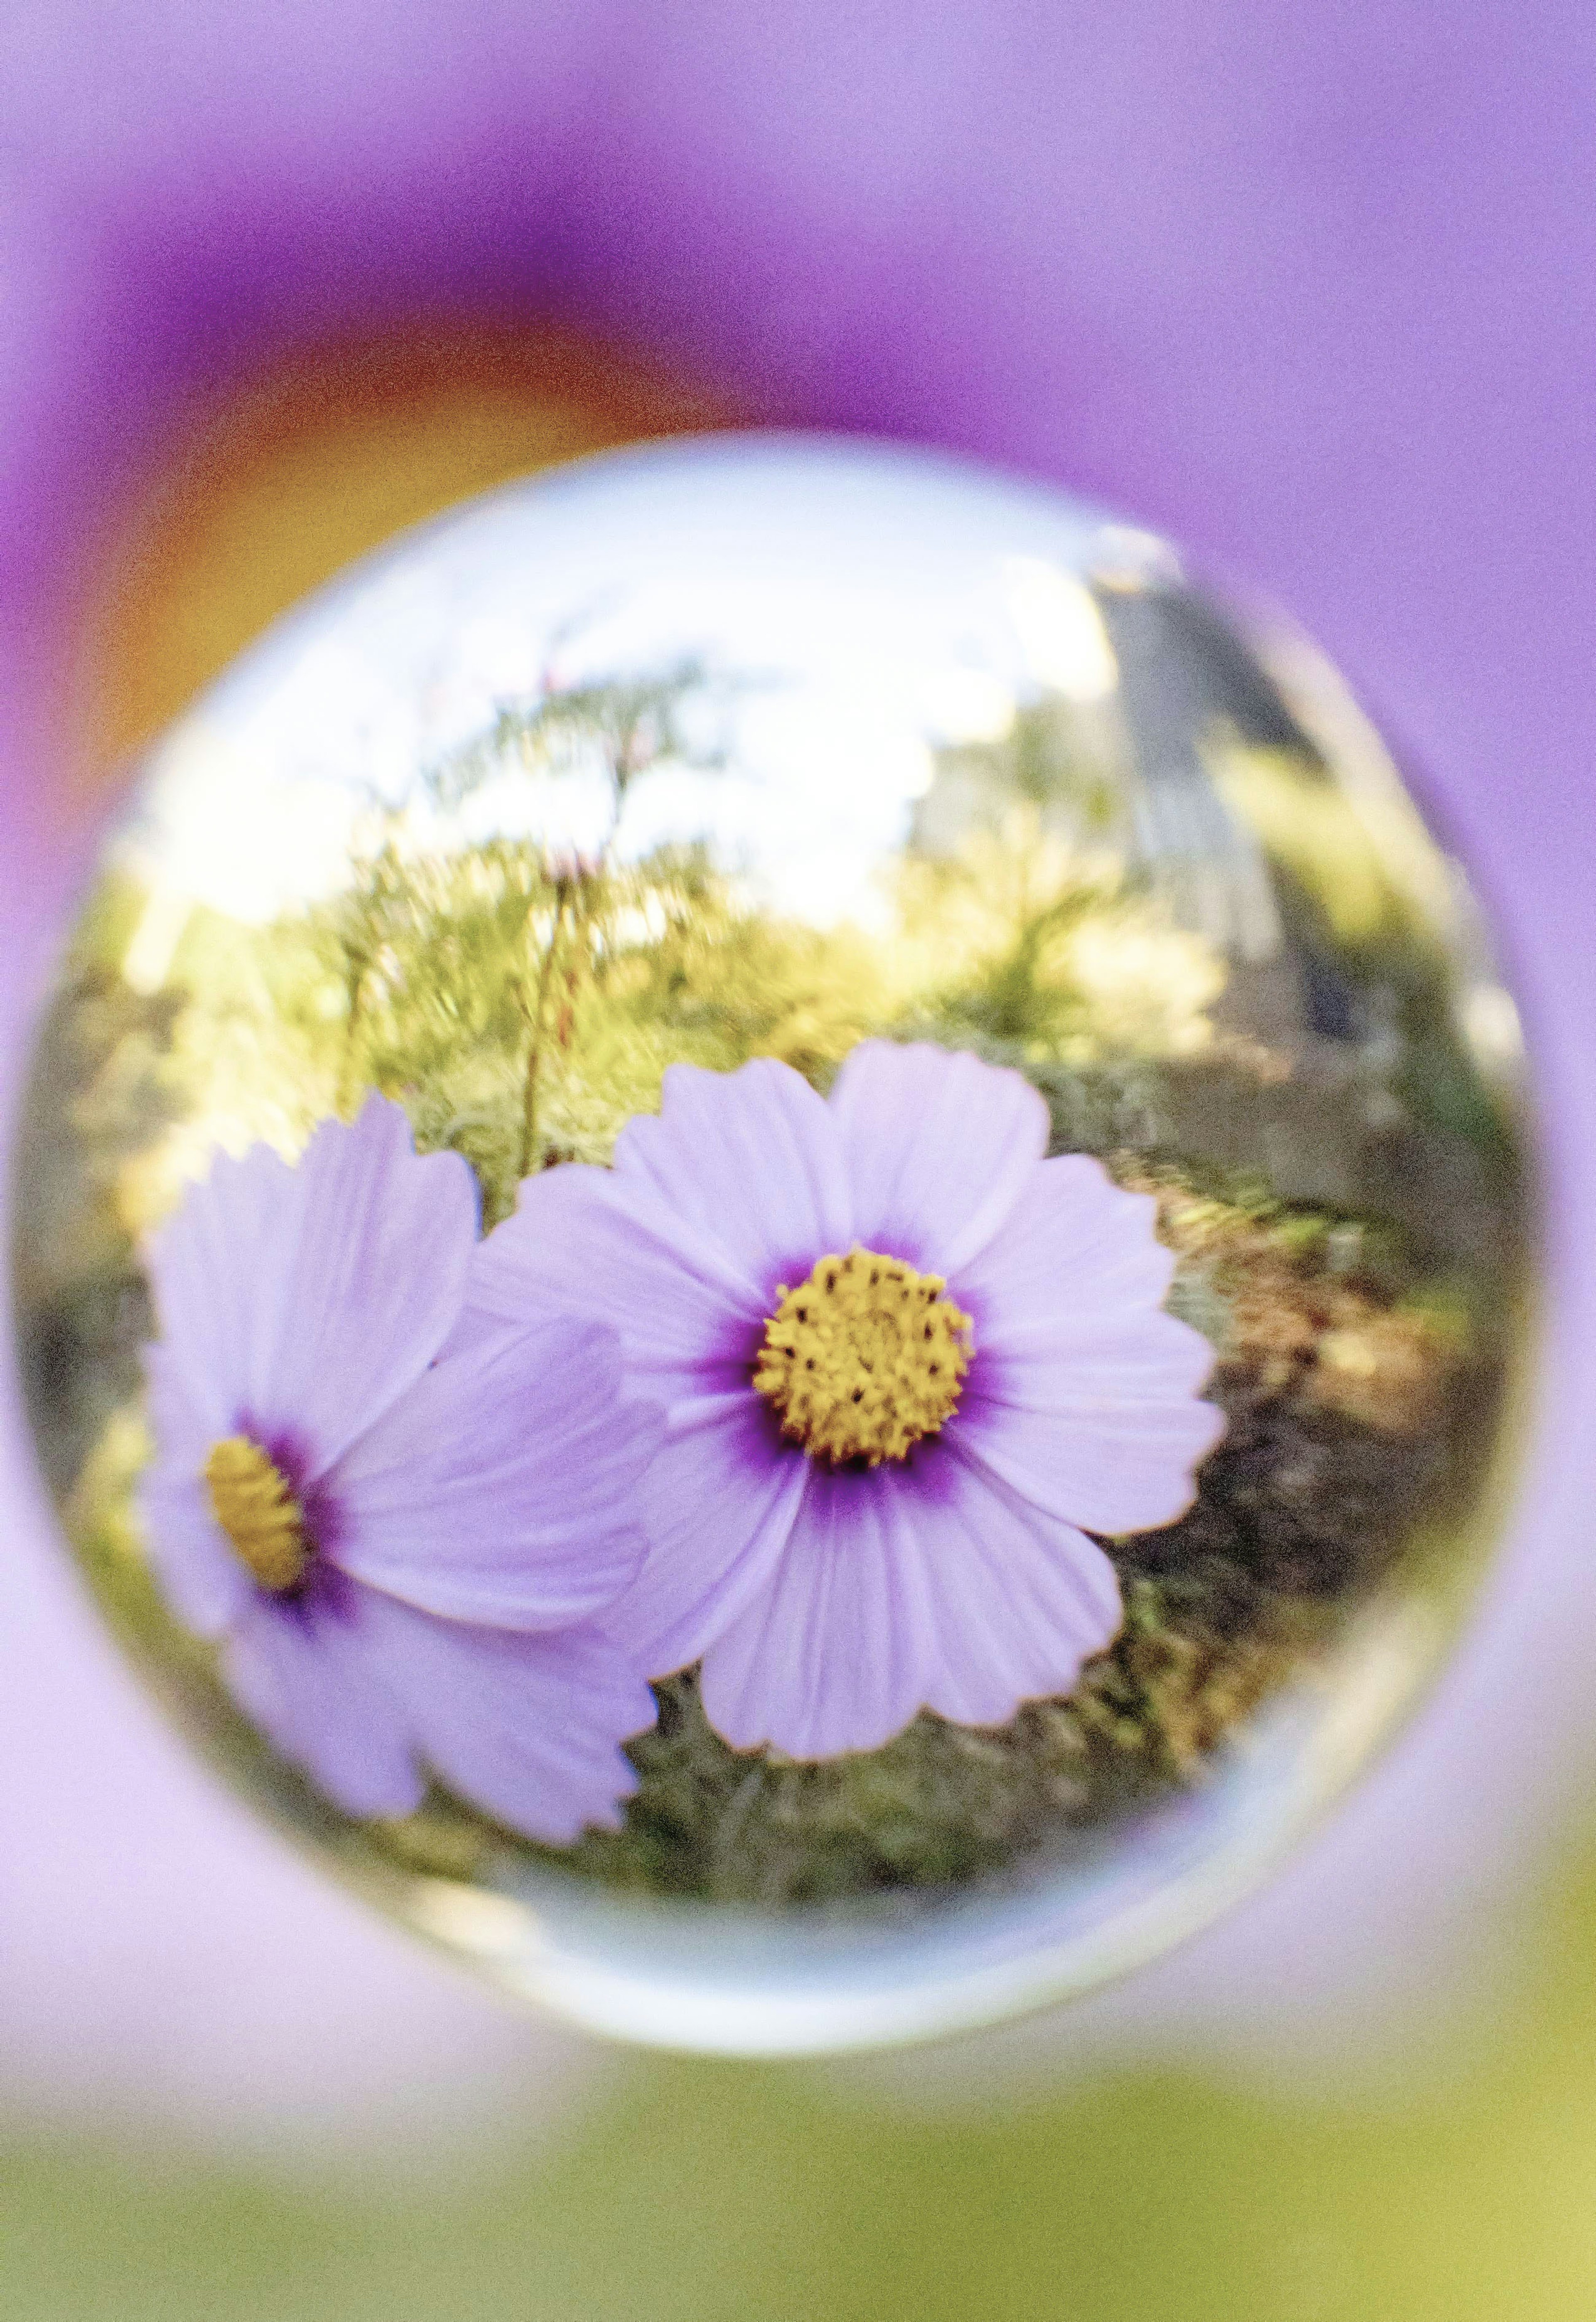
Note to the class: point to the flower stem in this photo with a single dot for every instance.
(537, 1017)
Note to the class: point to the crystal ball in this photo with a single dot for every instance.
(771, 1240)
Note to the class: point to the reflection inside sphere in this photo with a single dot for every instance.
(771, 1238)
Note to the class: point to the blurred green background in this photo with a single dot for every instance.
(1452, 2179)
(1460, 2189)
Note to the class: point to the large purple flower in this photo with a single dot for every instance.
(402, 1556)
(909, 1366)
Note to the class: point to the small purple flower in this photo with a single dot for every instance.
(908, 1363)
(402, 1556)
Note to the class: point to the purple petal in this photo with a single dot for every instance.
(1085, 1395)
(737, 1186)
(1019, 1600)
(302, 1300)
(308, 1671)
(206, 1265)
(528, 1728)
(751, 1161)
(719, 1500)
(835, 1653)
(581, 1243)
(924, 1587)
(500, 1488)
(1108, 1436)
(938, 1148)
(206, 1585)
(1075, 1254)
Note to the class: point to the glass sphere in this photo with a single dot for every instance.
(772, 1237)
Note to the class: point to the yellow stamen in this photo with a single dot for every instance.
(863, 1359)
(255, 1506)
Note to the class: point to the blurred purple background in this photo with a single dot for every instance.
(1312, 290)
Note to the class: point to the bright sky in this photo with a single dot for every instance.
(885, 600)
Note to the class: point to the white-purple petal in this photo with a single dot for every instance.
(751, 1160)
(1020, 1601)
(305, 1298)
(371, 1698)
(201, 1577)
(1111, 1447)
(527, 1728)
(581, 1243)
(1076, 1253)
(205, 1265)
(836, 1653)
(718, 1499)
(500, 1488)
(1085, 1395)
(309, 1672)
(938, 1150)
(904, 1588)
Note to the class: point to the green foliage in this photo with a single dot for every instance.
(524, 1011)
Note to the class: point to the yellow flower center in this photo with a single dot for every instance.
(254, 1505)
(863, 1359)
